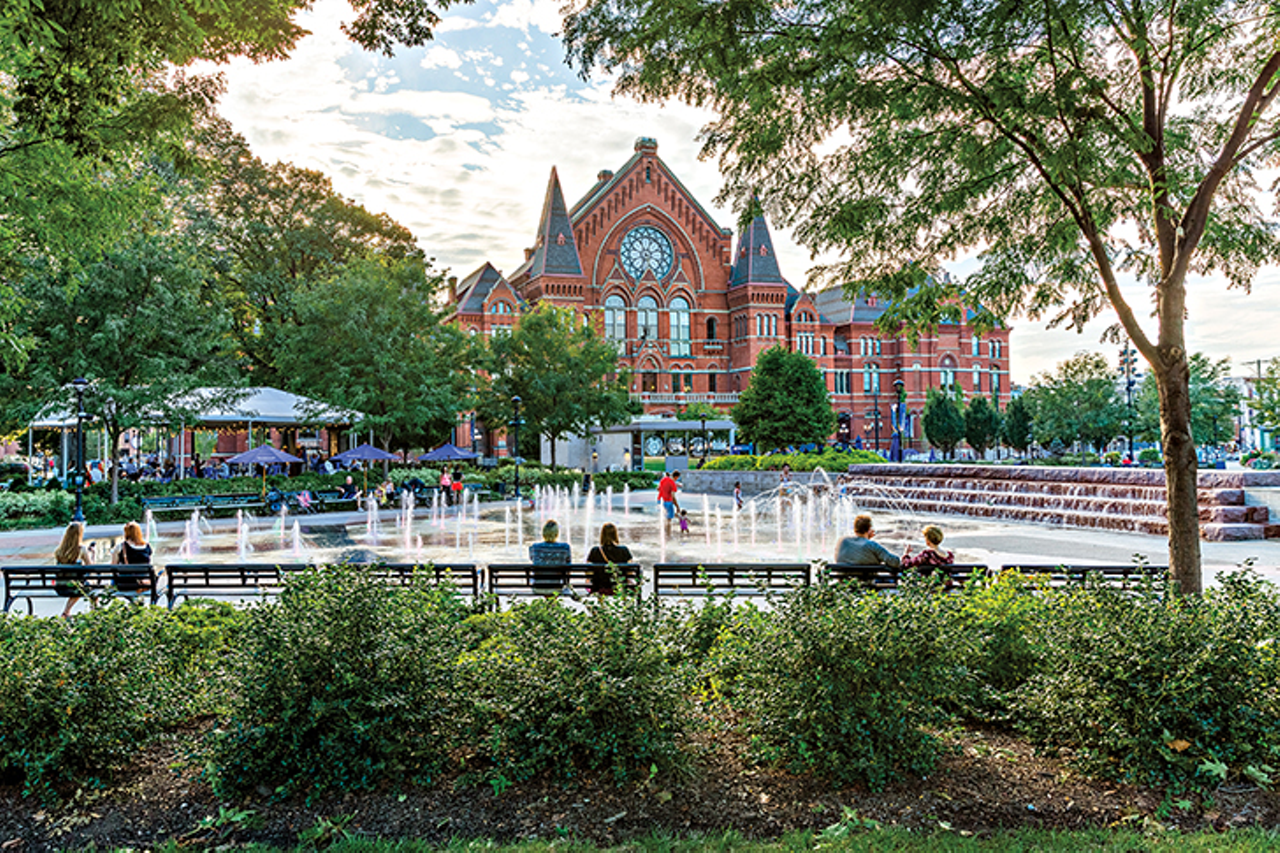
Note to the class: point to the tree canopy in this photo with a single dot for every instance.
(1073, 143)
(1214, 403)
(1077, 402)
(785, 403)
(1015, 429)
(566, 376)
(370, 340)
(981, 425)
(943, 422)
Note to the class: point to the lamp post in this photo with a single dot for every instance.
(1128, 361)
(515, 401)
(875, 416)
(79, 385)
(899, 421)
(704, 441)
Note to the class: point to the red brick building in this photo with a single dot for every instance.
(690, 311)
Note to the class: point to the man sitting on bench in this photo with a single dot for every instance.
(859, 550)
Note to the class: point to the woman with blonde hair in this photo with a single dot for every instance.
(71, 551)
(932, 556)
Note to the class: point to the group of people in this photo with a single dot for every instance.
(133, 550)
(551, 553)
(860, 550)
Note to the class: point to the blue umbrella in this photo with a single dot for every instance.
(857, 442)
(364, 453)
(264, 455)
(448, 453)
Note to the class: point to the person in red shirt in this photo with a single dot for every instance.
(667, 488)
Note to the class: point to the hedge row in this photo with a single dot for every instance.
(343, 683)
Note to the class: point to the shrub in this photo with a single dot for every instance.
(1176, 691)
(341, 682)
(840, 681)
(828, 460)
(78, 697)
(557, 691)
(35, 509)
(1149, 456)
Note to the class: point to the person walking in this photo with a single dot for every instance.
(667, 488)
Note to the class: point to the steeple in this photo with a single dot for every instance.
(556, 252)
(755, 262)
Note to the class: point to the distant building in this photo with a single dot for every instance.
(690, 312)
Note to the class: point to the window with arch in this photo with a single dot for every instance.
(947, 373)
(615, 321)
(871, 378)
(862, 343)
(977, 345)
(711, 328)
(994, 348)
(879, 343)
(995, 382)
(759, 325)
(977, 378)
(679, 316)
(773, 325)
(647, 318)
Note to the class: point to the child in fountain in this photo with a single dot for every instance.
(684, 523)
(932, 557)
(737, 494)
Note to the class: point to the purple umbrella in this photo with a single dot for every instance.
(264, 455)
(364, 453)
(448, 453)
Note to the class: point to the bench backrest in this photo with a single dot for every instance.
(462, 575)
(51, 581)
(686, 579)
(1126, 576)
(525, 579)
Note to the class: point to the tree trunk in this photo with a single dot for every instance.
(1180, 471)
(114, 437)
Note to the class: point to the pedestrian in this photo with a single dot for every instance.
(446, 487)
(684, 523)
(667, 488)
(737, 494)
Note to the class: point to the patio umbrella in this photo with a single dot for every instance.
(364, 453)
(857, 442)
(264, 455)
(448, 453)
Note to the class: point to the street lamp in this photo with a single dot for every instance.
(79, 385)
(704, 441)
(899, 421)
(515, 401)
(875, 412)
(1128, 361)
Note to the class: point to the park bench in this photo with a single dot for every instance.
(883, 577)
(32, 582)
(1131, 576)
(464, 576)
(222, 580)
(331, 500)
(526, 579)
(245, 501)
(748, 579)
(173, 503)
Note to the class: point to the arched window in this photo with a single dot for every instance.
(615, 321)
(679, 317)
(994, 348)
(947, 373)
(647, 317)
(977, 379)
(878, 345)
(977, 345)
(773, 325)
(871, 378)
(759, 325)
(995, 382)
(711, 328)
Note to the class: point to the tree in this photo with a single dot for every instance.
(370, 340)
(981, 425)
(1074, 143)
(699, 411)
(136, 324)
(566, 376)
(943, 424)
(1266, 400)
(784, 403)
(277, 232)
(1078, 402)
(1015, 430)
(1214, 403)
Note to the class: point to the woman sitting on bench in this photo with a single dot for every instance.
(133, 551)
(71, 551)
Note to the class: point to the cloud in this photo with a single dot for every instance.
(464, 163)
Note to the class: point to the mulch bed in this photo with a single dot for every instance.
(990, 781)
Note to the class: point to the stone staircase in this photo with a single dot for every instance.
(1112, 499)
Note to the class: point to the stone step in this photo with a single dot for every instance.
(1235, 514)
(1232, 532)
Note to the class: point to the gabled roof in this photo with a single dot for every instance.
(476, 287)
(755, 261)
(556, 252)
(606, 180)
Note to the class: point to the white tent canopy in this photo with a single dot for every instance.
(260, 406)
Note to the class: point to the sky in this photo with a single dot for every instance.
(456, 141)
